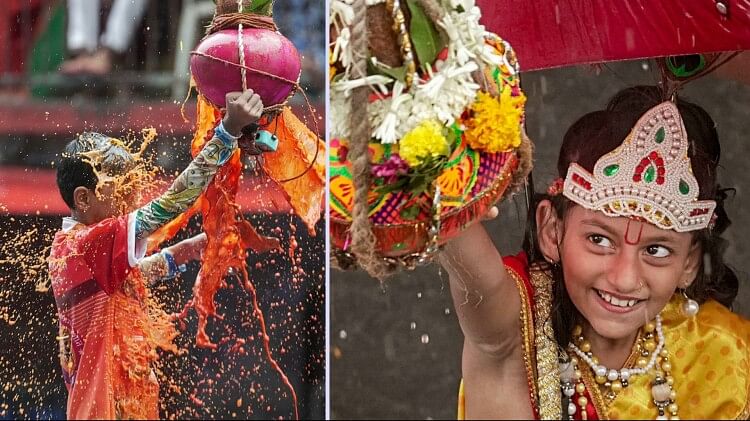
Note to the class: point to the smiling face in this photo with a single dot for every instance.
(619, 272)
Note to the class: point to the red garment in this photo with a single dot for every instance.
(519, 265)
(105, 349)
(20, 23)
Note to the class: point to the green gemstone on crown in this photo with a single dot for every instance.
(660, 134)
(611, 170)
(684, 187)
(650, 175)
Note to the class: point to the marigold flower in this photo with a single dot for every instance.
(426, 141)
(495, 124)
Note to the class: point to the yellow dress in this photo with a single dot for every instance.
(710, 356)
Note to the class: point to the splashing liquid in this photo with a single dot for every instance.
(195, 382)
(124, 175)
(30, 380)
(229, 236)
(25, 384)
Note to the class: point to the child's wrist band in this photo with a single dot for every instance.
(227, 138)
(172, 268)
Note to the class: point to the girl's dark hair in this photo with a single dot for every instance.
(600, 132)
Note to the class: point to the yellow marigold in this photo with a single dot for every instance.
(424, 142)
(495, 125)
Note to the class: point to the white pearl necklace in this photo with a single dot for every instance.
(625, 373)
(662, 392)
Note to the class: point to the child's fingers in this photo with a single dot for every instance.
(254, 101)
(258, 108)
(231, 97)
(247, 96)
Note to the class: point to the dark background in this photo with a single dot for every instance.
(41, 110)
(293, 307)
(396, 346)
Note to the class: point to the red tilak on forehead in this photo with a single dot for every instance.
(627, 234)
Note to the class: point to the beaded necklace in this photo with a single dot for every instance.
(653, 358)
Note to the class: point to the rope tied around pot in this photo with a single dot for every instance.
(240, 21)
(233, 20)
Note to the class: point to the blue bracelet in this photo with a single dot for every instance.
(227, 138)
(172, 268)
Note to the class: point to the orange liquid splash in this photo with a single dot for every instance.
(229, 236)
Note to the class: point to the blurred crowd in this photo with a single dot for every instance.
(96, 38)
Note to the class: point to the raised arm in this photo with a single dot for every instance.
(488, 306)
(484, 294)
(242, 109)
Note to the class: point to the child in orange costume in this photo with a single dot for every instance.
(109, 329)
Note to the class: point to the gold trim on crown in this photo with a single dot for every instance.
(647, 176)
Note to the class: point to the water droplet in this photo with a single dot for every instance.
(425, 338)
(413, 325)
(342, 334)
(419, 295)
(447, 311)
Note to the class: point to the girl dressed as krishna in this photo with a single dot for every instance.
(619, 310)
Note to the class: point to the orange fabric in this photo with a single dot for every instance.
(108, 333)
(293, 158)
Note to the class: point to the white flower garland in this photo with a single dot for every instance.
(443, 97)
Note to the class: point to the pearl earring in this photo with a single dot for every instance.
(553, 263)
(690, 307)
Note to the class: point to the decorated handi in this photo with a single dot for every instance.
(243, 50)
(427, 128)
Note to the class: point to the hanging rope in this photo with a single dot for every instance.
(525, 154)
(241, 50)
(243, 65)
(363, 244)
(248, 20)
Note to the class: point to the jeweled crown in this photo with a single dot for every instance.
(647, 176)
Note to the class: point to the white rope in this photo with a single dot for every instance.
(241, 47)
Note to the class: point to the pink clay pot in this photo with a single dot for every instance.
(265, 50)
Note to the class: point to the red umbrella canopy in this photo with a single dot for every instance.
(552, 33)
